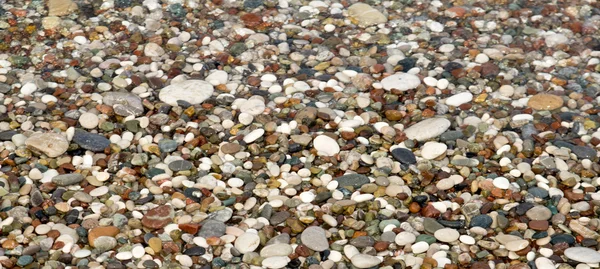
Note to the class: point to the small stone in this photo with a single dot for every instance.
(501, 183)
(276, 250)
(158, 217)
(354, 180)
(180, 165)
(516, 245)
(314, 238)
(88, 120)
(404, 156)
(405, 238)
(539, 213)
(253, 107)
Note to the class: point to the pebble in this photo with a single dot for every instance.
(326, 146)
(314, 238)
(401, 82)
(427, 129)
(365, 15)
(459, 99)
(447, 235)
(582, 254)
(365, 261)
(247, 242)
(50, 144)
(432, 150)
(190, 91)
(544, 101)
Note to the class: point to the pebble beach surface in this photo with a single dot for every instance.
(299, 134)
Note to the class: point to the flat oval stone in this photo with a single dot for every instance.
(545, 101)
(403, 155)
(124, 103)
(446, 235)
(516, 245)
(180, 165)
(365, 261)
(427, 129)
(276, 250)
(539, 213)
(581, 254)
(326, 146)
(354, 180)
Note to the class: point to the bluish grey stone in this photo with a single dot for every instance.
(67, 179)
(90, 141)
(354, 180)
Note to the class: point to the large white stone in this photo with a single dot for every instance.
(432, 150)
(401, 82)
(427, 129)
(191, 91)
(405, 238)
(253, 107)
(446, 235)
(28, 88)
(276, 250)
(582, 254)
(247, 242)
(51, 144)
(326, 146)
(517, 245)
(153, 50)
(217, 77)
(365, 261)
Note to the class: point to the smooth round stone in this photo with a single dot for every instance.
(365, 261)
(326, 146)
(401, 82)
(420, 247)
(314, 238)
(253, 107)
(545, 101)
(445, 184)
(276, 250)
(28, 88)
(105, 243)
(247, 242)
(483, 221)
(217, 77)
(506, 90)
(191, 91)
(543, 262)
(466, 239)
(446, 235)
(432, 150)
(582, 254)
(90, 141)
(516, 245)
(459, 99)
(88, 120)
(124, 103)
(539, 213)
(427, 129)
(153, 50)
(501, 183)
(405, 238)
(275, 262)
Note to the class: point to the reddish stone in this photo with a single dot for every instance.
(158, 217)
(430, 212)
(539, 225)
(251, 20)
(302, 250)
(94, 233)
(489, 70)
(455, 12)
(190, 228)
